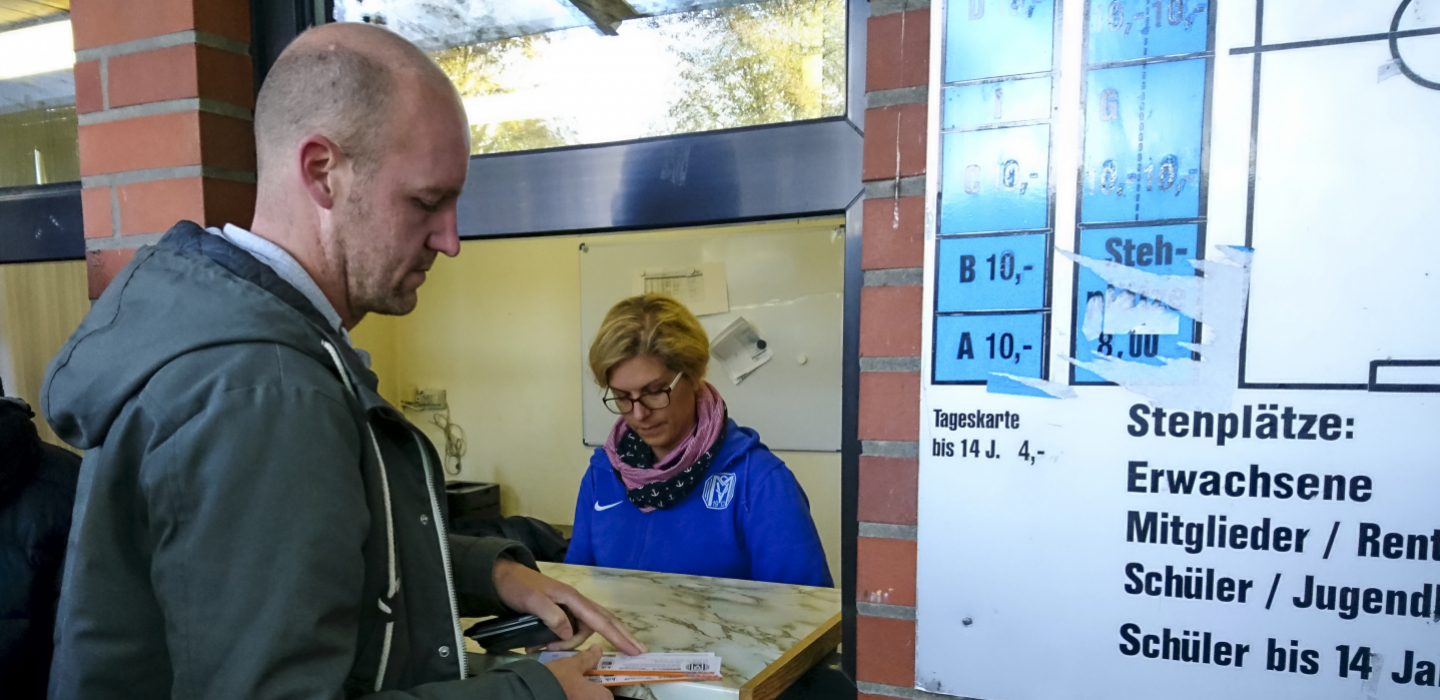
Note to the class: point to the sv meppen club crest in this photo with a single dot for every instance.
(719, 491)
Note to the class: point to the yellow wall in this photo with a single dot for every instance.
(53, 132)
(40, 306)
(499, 329)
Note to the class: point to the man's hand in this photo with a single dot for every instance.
(523, 589)
(570, 671)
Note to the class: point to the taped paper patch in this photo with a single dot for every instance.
(1217, 300)
(1001, 383)
(1387, 70)
(1120, 312)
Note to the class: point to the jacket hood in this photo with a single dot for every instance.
(191, 290)
(738, 443)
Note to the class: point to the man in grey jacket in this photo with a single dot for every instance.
(253, 520)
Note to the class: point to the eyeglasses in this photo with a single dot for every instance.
(653, 400)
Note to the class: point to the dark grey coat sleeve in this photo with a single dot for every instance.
(472, 560)
(257, 552)
(522, 679)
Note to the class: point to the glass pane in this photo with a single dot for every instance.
(38, 125)
(995, 180)
(991, 38)
(991, 273)
(1126, 29)
(1163, 250)
(971, 348)
(1143, 137)
(727, 65)
(983, 104)
(438, 24)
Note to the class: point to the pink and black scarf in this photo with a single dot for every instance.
(651, 486)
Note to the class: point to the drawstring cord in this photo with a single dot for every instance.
(389, 524)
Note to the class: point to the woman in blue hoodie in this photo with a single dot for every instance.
(678, 486)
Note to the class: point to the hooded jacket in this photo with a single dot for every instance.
(748, 520)
(37, 492)
(253, 520)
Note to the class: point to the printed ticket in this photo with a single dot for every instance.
(618, 669)
(644, 680)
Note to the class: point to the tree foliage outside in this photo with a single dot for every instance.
(741, 65)
(759, 63)
(518, 135)
(476, 71)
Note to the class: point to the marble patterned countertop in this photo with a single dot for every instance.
(748, 623)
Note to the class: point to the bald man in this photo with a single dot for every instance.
(253, 520)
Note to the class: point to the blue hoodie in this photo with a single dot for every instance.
(749, 520)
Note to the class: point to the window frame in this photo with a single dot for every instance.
(581, 185)
(774, 178)
(782, 170)
(775, 170)
(41, 223)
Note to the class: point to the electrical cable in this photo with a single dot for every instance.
(454, 439)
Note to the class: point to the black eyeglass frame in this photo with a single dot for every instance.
(612, 402)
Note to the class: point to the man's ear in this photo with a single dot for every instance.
(322, 167)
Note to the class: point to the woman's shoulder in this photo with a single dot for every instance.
(599, 460)
(744, 450)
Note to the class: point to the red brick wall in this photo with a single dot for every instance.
(165, 91)
(897, 75)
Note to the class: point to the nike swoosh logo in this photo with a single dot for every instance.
(599, 507)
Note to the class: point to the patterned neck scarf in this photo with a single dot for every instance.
(651, 486)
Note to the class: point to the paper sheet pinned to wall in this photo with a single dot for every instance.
(740, 349)
(701, 288)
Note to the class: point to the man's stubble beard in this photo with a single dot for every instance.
(366, 266)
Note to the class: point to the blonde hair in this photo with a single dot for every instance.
(650, 324)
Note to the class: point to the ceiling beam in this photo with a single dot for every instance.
(606, 14)
(35, 7)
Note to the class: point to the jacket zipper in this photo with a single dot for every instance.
(439, 530)
(444, 553)
(393, 581)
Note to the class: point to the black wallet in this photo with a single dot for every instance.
(515, 632)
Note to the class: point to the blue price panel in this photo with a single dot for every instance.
(1143, 135)
(991, 273)
(1124, 29)
(995, 103)
(1163, 250)
(995, 179)
(992, 38)
(969, 348)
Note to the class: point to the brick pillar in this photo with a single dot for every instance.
(165, 91)
(896, 84)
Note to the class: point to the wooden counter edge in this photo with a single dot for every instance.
(793, 663)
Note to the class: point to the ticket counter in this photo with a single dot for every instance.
(499, 329)
(767, 635)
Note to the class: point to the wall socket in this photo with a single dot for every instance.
(428, 400)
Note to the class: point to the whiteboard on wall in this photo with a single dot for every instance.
(787, 280)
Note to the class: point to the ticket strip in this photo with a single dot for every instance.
(996, 208)
(659, 667)
(1144, 169)
(1143, 178)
